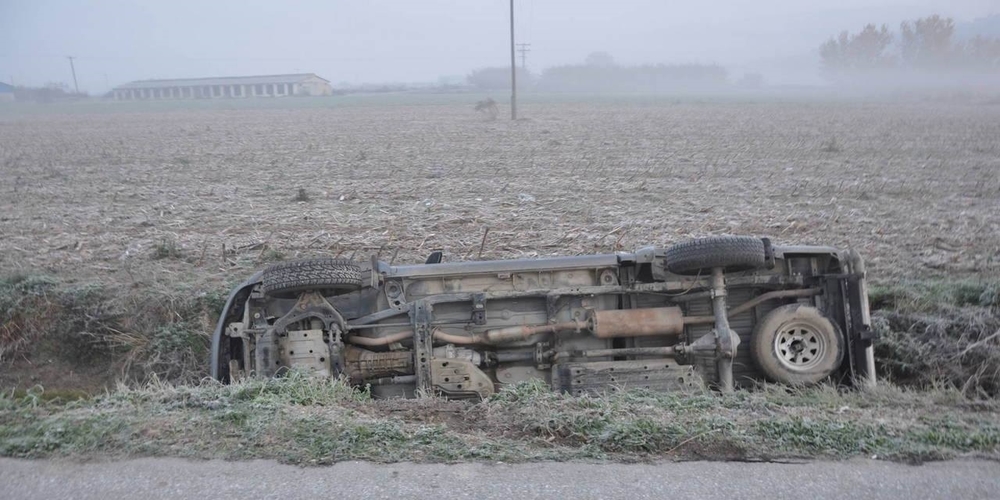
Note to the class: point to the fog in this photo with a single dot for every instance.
(380, 41)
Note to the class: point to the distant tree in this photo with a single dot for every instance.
(982, 52)
(850, 55)
(495, 78)
(927, 42)
(926, 49)
(646, 78)
(600, 60)
(869, 48)
(51, 91)
(488, 107)
(751, 81)
(833, 53)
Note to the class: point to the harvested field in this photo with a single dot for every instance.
(204, 194)
(122, 227)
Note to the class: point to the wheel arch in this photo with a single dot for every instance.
(233, 308)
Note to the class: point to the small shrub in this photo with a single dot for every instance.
(301, 196)
(146, 332)
(24, 306)
(990, 297)
(939, 333)
(831, 145)
(175, 350)
(933, 297)
(167, 248)
(271, 254)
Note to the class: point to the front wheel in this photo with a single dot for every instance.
(797, 345)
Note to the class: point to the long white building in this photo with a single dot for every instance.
(232, 87)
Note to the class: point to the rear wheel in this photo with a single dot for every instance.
(732, 253)
(329, 276)
(797, 345)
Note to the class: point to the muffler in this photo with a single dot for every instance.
(613, 323)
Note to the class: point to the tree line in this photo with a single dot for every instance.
(925, 47)
(601, 73)
(50, 92)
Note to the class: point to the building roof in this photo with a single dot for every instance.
(6, 88)
(224, 80)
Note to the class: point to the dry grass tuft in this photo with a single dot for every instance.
(24, 311)
(831, 146)
(147, 331)
(936, 333)
(301, 196)
(167, 248)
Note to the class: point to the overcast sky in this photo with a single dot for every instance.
(381, 41)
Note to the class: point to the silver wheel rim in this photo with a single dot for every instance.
(799, 346)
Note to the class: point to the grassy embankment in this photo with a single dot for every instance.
(938, 345)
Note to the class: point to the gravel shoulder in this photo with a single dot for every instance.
(151, 479)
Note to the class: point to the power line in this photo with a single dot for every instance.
(524, 48)
(513, 68)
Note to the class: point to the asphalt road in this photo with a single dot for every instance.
(155, 478)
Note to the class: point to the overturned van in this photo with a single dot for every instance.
(723, 312)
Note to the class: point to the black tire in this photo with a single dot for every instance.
(732, 253)
(819, 338)
(330, 276)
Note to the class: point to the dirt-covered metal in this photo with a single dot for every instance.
(582, 324)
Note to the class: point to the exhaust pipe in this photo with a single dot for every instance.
(603, 324)
(613, 323)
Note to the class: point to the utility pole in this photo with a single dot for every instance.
(513, 68)
(524, 48)
(73, 69)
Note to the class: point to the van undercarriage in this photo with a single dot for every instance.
(725, 311)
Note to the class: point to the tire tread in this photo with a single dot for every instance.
(314, 273)
(734, 253)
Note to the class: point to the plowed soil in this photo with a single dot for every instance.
(194, 192)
